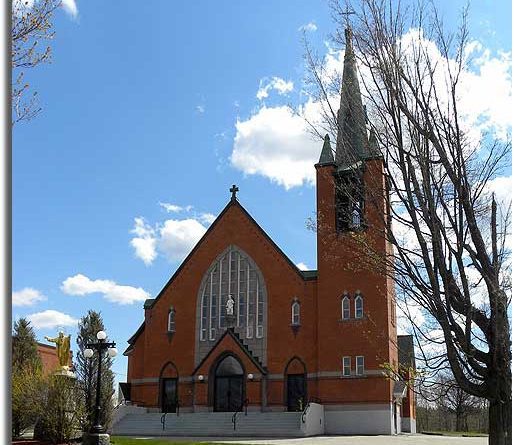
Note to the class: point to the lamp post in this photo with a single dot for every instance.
(97, 429)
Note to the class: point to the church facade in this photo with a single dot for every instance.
(238, 324)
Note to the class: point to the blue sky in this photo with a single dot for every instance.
(152, 106)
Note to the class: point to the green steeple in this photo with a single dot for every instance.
(326, 152)
(352, 142)
(374, 150)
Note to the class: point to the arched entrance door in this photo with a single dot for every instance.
(296, 384)
(229, 385)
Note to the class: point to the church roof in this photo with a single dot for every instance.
(149, 303)
(232, 202)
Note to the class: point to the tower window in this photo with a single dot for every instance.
(349, 201)
(359, 365)
(359, 306)
(345, 307)
(347, 366)
(295, 313)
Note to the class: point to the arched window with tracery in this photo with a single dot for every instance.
(234, 273)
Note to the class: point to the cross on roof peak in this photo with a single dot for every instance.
(347, 12)
(234, 189)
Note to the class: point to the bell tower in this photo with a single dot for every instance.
(352, 218)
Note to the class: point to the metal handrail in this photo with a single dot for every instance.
(234, 416)
(163, 417)
(311, 400)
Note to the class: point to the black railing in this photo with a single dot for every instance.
(163, 417)
(311, 400)
(240, 409)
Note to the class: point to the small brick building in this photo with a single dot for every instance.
(49, 359)
(239, 323)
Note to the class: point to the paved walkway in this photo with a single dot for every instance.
(414, 439)
(403, 439)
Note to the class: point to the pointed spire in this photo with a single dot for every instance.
(326, 152)
(352, 142)
(374, 150)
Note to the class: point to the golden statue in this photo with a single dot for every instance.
(63, 349)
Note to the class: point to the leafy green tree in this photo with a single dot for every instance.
(27, 382)
(60, 420)
(86, 371)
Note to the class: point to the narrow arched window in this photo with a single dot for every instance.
(295, 313)
(171, 320)
(359, 306)
(345, 307)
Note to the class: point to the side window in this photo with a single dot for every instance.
(347, 366)
(345, 307)
(359, 306)
(295, 313)
(359, 365)
(171, 320)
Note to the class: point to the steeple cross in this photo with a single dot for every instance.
(234, 190)
(347, 12)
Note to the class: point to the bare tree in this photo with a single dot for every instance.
(450, 258)
(31, 25)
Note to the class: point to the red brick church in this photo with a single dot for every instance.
(239, 324)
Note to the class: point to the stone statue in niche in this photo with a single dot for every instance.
(230, 305)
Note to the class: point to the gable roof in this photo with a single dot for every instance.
(307, 275)
(230, 332)
(233, 202)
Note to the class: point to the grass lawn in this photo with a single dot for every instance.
(455, 433)
(118, 440)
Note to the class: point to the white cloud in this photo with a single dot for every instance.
(174, 238)
(174, 208)
(144, 243)
(278, 84)
(207, 218)
(115, 293)
(27, 297)
(70, 6)
(51, 319)
(309, 27)
(274, 143)
(200, 109)
(302, 266)
(20, 7)
(178, 237)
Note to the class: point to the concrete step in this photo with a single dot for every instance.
(283, 424)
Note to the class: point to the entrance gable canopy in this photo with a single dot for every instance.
(230, 343)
